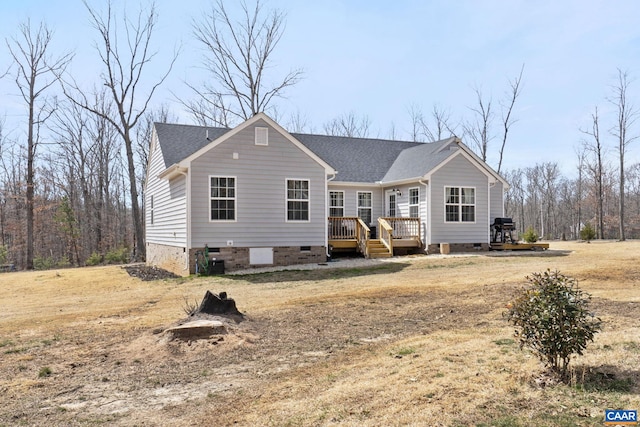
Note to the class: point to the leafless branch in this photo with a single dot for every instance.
(239, 53)
(515, 88)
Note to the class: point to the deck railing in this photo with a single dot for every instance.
(350, 228)
(405, 228)
(342, 228)
(386, 233)
(362, 236)
(389, 230)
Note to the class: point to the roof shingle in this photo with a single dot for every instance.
(365, 160)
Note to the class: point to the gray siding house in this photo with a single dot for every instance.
(257, 195)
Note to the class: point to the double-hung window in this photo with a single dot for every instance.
(460, 204)
(336, 203)
(297, 200)
(364, 206)
(223, 198)
(414, 202)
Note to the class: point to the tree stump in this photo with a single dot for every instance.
(217, 304)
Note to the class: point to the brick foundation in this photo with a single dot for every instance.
(236, 258)
(459, 247)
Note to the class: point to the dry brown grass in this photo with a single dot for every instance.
(421, 341)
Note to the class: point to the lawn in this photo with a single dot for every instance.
(419, 341)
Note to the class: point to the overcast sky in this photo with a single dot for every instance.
(377, 58)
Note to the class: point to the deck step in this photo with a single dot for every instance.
(377, 249)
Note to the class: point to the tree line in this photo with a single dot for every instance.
(71, 192)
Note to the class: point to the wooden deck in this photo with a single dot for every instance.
(519, 246)
(352, 234)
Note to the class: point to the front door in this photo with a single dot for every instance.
(392, 205)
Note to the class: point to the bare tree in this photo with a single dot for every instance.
(596, 167)
(627, 114)
(479, 128)
(433, 128)
(126, 56)
(507, 108)
(417, 121)
(298, 122)
(441, 127)
(239, 54)
(581, 157)
(348, 124)
(36, 72)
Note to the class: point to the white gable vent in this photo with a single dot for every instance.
(262, 136)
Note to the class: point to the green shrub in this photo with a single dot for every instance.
(530, 236)
(117, 256)
(4, 254)
(63, 262)
(94, 259)
(44, 263)
(552, 318)
(588, 233)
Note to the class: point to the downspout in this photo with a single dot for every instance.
(427, 224)
(326, 216)
(489, 186)
(188, 218)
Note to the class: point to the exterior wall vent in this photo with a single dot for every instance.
(262, 136)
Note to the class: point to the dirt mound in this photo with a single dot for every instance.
(148, 273)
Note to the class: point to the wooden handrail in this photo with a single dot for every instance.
(386, 234)
(362, 237)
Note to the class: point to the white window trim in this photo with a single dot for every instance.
(358, 207)
(335, 207)
(286, 201)
(417, 205)
(235, 200)
(460, 204)
(261, 136)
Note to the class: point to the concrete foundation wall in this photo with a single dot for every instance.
(170, 258)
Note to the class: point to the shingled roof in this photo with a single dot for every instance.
(180, 141)
(366, 160)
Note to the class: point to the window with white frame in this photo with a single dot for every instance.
(365, 206)
(223, 198)
(336, 203)
(414, 202)
(460, 204)
(297, 200)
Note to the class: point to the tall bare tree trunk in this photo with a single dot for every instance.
(124, 65)
(36, 72)
(626, 117)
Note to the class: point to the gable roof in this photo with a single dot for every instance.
(180, 141)
(417, 161)
(357, 160)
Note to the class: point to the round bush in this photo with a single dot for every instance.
(553, 319)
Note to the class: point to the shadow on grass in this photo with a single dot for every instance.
(606, 379)
(319, 274)
(549, 253)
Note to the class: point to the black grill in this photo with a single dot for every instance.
(502, 229)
